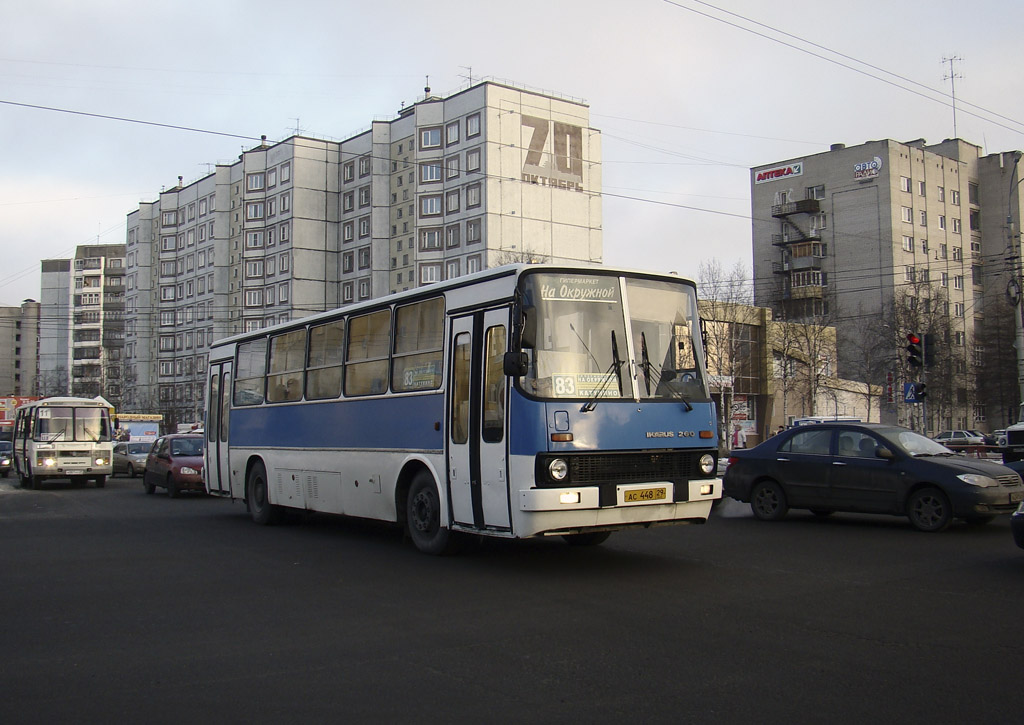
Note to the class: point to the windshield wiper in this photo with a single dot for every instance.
(664, 376)
(616, 366)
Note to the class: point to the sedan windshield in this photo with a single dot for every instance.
(917, 445)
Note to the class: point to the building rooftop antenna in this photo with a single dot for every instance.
(951, 77)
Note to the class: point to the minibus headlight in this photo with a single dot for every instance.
(46, 461)
(707, 464)
(558, 469)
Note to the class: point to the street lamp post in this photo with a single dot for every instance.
(1014, 289)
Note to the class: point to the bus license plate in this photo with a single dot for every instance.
(639, 495)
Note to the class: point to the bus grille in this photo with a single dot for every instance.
(589, 469)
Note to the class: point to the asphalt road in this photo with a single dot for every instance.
(121, 607)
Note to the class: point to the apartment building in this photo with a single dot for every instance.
(887, 238)
(19, 349)
(486, 176)
(55, 327)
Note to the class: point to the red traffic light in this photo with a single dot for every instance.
(913, 339)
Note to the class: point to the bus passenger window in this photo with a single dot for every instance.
(460, 389)
(494, 386)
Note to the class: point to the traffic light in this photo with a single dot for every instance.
(914, 353)
(919, 391)
(928, 348)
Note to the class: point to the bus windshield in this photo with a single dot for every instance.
(580, 344)
(66, 423)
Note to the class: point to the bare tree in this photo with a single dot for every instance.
(728, 317)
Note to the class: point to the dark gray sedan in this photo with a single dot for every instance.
(869, 468)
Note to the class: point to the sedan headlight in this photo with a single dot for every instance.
(976, 479)
(5, 461)
(189, 471)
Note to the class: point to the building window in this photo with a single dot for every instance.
(286, 173)
(956, 225)
(346, 292)
(364, 289)
(473, 125)
(254, 269)
(958, 254)
(253, 240)
(451, 201)
(451, 269)
(430, 138)
(271, 178)
(908, 243)
(364, 166)
(430, 273)
(284, 233)
(954, 197)
(451, 167)
(347, 231)
(958, 282)
(904, 183)
(166, 293)
(283, 262)
(920, 189)
(254, 210)
(909, 274)
(451, 133)
(364, 258)
(907, 214)
(942, 193)
(254, 298)
(942, 221)
(958, 309)
(170, 218)
(924, 218)
(255, 182)
(944, 281)
(472, 196)
(972, 194)
(473, 231)
(430, 239)
(364, 196)
(348, 171)
(473, 160)
(348, 201)
(286, 202)
(364, 227)
(430, 172)
(430, 205)
(282, 292)
(452, 236)
(975, 220)
(346, 262)
(815, 192)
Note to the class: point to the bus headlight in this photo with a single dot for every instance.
(558, 469)
(100, 461)
(46, 462)
(707, 464)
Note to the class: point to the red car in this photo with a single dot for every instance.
(175, 463)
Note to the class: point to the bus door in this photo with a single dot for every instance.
(477, 421)
(218, 407)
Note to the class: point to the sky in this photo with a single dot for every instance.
(688, 96)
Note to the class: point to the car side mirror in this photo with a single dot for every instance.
(883, 452)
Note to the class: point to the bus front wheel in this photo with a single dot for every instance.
(423, 518)
(257, 497)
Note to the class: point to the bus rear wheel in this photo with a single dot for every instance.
(423, 518)
(257, 497)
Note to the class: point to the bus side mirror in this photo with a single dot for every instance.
(516, 364)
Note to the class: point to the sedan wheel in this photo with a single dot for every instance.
(768, 501)
(929, 510)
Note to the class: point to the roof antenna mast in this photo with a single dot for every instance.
(951, 77)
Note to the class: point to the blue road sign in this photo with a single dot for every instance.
(910, 393)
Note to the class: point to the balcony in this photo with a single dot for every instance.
(780, 267)
(803, 206)
(794, 234)
(807, 292)
(809, 262)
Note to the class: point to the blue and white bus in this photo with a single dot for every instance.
(521, 401)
